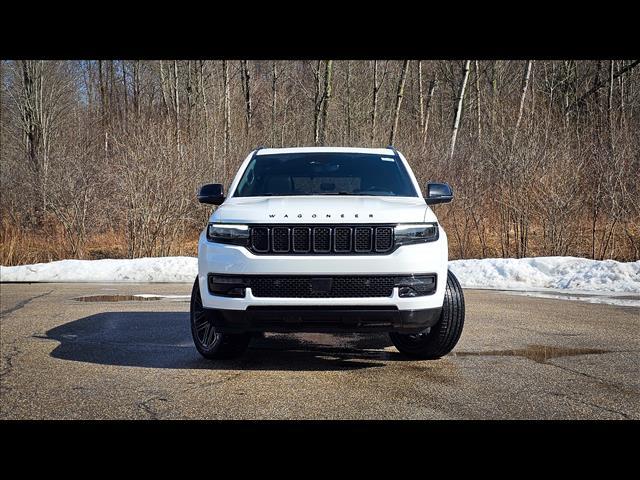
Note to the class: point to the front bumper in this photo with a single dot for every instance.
(427, 258)
(329, 320)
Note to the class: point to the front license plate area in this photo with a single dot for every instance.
(321, 285)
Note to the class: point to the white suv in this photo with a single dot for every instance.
(325, 240)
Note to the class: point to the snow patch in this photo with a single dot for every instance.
(551, 274)
(558, 273)
(139, 270)
(609, 299)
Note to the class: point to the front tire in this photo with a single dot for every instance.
(210, 343)
(442, 337)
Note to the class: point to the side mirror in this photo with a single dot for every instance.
(438, 193)
(212, 193)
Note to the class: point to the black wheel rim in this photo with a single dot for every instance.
(204, 329)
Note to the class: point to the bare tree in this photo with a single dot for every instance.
(432, 89)
(479, 121)
(458, 112)
(40, 100)
(274, 97)
(176, 107)
(399, 95)
(227, 114)
(205, 107)
(326, 97)
(377, 85)
(165, 88)
(246, 90)
(318, 98)
(348, 105)
(88, 147)
(600, 84)
(525, 84)
(420, 99)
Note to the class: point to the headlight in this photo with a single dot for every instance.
(228, 233)
(412, 233)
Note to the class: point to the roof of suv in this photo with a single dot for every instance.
(375, 151)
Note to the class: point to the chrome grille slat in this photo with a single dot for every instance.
(337, 239)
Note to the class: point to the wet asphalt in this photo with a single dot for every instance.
(519, 358)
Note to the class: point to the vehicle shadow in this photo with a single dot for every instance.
(163, 340)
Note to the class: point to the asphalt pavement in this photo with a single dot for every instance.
(121, 357)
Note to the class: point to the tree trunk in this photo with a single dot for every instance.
(458, 112)
(399, 95)
(125, 94)
(165, 89)
(377, 85)
(136, 88)
(326, 97)
(190, 97)
(494, 91)
(523, 94)
(176, 108)
(205, 106)
(621, 120)
(226, 116)
(420, 99)
(112, 82)
(600, 85)
(432, 89)
(103, 106)
(247, 94)
(274, 97)
(348, 105)
(477, 71)
(317, 108)
(610, 106)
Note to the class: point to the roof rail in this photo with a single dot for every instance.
(255, 152)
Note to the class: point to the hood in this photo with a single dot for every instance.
(322, 209)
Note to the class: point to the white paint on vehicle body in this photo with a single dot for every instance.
(424, 258)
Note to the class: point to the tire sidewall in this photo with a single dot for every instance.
(445, 334)
(204, 351)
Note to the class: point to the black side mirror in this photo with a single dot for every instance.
(212, 193)
(438, 193)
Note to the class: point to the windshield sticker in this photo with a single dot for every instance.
(388, 159)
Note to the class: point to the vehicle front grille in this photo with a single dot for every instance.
(340, 286)
(321, 239)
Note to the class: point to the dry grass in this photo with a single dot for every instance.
(20, 246)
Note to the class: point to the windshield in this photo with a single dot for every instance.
(325, 174)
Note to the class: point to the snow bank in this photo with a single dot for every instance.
(160, 269)
(557, 273)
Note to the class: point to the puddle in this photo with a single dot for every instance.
(116, 298)
(628, 297)
(330, 341)
(537, 353)
(622, 300)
